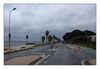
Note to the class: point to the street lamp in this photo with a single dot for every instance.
(9, 35)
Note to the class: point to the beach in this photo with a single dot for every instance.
(18, 46)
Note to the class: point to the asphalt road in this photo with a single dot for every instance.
(40, 50)
(60, 55)
(65, 55)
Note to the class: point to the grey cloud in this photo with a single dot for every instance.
(35, 19)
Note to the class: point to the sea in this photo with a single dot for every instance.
(18, 43)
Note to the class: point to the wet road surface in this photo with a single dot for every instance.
(61, 55)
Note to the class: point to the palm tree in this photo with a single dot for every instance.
(43, 39)
(50, 39)
(46, 33)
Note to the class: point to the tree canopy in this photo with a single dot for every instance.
(77, 33)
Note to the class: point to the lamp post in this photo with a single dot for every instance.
(9, 35)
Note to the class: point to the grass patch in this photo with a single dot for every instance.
(89, 45)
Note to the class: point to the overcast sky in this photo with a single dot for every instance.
(35, 19)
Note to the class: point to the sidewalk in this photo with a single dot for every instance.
(25, 60)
